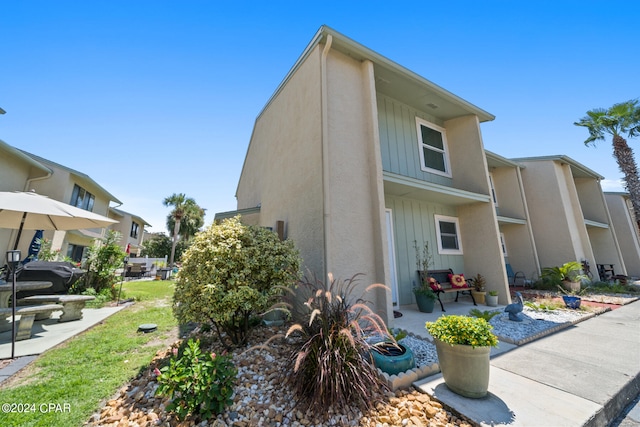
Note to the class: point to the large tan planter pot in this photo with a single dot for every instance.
(465, 369)
(571, 286)
(478, 296)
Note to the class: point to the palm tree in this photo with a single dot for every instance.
(621, 119)
(183, 207)
(191, 222)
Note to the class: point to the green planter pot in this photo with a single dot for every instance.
(425, 304)
(465, 369)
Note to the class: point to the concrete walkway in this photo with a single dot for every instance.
(49, 333)
(584, 375)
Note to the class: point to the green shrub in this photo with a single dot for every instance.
(103, 259)
(486, 314)
(198, 384)
(464, 330)
(230, 273)
(327, 366)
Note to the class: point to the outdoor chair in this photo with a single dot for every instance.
(516, 279)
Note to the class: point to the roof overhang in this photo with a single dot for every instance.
(232, 214)
(403, 186)
(578, 170)
(393, 79)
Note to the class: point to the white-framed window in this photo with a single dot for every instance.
(503, 245)
(493, 190)
(448, 232)
(432, 145)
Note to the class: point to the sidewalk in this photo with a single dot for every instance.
(581, 376)
(47, 334)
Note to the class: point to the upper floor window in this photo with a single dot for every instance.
(493, 190)
(135, 228)
(432, 144)
(81, 198)
(448, 232)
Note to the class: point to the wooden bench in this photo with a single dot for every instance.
(27, 316)
(442, 276)
(72, 305)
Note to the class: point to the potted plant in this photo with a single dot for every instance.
(425, 297)
(569, 275)
(478, 292)
(463, 345)
(492, 298)
(572, 298)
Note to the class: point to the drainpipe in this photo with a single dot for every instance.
(326, 218)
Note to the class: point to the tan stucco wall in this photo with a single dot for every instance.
(356, 202)
(521, 251)
(626, 232)
(555, 212)
(282, 170)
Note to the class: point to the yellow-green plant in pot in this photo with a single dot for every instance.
(463, 345)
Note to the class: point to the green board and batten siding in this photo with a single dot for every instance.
(399, 140)
(413, 220)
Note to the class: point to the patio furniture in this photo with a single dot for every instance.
(516, 279)
(444, 286)
(72, 305)
(27, 316)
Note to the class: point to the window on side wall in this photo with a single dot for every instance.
(134, 230)
(448, 231)
(81, 198)
(493, 190)
(432, 144)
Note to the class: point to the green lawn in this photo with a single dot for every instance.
(78, 375)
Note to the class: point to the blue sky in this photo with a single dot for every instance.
(151, 98)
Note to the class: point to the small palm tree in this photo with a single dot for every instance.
(621, 119)
(183, 207)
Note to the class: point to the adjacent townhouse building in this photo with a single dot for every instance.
(359, 160)
(77, 189)
(626, 230)
(22, 171)
(512, 211)
(569, 215)
(18, 172)
(131, 227)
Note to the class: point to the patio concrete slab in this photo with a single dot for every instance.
(49, 333)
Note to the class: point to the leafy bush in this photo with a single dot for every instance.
(230, 273)
(464, 330)
(103, 259)
(198, 384)
(486, 314)
(159, 246)
(327, 367)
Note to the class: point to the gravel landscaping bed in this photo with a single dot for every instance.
(535, 324)
(261, 400)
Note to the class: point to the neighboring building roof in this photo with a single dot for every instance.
(26, 158)
(496, 160)
(392, 78)
(231, 214)
(76, 173)
(122, 213)
(578, 169)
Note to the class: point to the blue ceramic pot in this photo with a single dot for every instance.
(392, 359)
(572, 301)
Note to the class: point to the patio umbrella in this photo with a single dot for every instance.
(31, 211)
